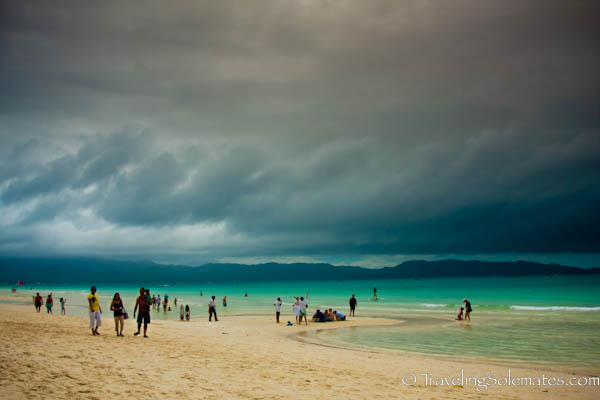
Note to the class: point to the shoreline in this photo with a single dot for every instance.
(54, 356)
(309, 336)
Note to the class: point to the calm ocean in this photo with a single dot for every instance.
(535, 319)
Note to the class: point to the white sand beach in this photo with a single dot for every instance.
(54, 356)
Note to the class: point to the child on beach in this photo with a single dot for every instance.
(459, 317)
(339, 316)
(296, 308)
(62, 306)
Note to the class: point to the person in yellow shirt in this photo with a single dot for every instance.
(95, 311)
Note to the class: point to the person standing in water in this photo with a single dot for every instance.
(95, 311)
(181, 312)
(277, 305)
(63, 311)
(187, 312)
(212, 309)
(246, 294)
(224, 301)
(374, 293)
(353, 304)
(468, 309)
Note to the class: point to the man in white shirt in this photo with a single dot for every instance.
(303, 306)
(277, 305)
(212, 310)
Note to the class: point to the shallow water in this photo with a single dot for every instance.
(537, 319)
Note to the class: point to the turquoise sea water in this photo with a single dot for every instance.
(535, 319)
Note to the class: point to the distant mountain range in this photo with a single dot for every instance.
(85, 270)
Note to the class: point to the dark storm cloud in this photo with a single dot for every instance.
(302, 127)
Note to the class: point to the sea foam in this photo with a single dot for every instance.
(554, 308)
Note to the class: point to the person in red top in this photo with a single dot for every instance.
(143, 304)
(459, 317)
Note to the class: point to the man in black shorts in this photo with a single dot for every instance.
(353, 304)
(38, 302)
(144, 307)
(468, 309)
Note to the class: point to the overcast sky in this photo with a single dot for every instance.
(355, 132)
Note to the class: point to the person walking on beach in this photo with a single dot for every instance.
(95, 311)
(38, 301)
(143, 305)
(63, 311)
(49, 304)
(212, 309)
(353, 304)
(468, 309)
(277, 305)
(117, 307)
